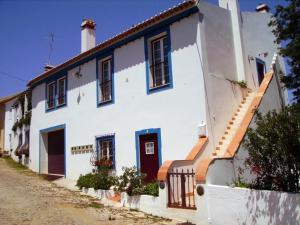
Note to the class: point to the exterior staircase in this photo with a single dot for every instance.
(233, 125)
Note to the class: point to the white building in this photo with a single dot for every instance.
(146, 96)
(16, 123)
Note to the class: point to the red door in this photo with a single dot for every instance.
(149, 156)
(56, 152)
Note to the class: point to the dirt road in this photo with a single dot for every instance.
(26, 198)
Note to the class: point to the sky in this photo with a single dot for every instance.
(26, 26)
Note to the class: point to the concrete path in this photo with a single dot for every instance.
(26, 198)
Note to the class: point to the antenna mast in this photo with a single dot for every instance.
(51, 41)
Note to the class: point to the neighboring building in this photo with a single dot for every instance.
(15, 122)
(147, 94)
(3, 102)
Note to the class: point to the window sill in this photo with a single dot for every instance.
(159, 88)
(107, 102)
(56, 107)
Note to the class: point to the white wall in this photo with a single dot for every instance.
(222, 95)
(8, 124)
(176, 111)
(258, 38)
(236, 206)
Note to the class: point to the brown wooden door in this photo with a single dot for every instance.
(56, 152)
(149, 156)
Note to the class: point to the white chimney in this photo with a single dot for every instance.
(88, 35)
(262, 8)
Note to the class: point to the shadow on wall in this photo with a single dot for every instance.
(276, 207)
(132, 54)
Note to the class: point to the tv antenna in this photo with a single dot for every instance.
(51, 42)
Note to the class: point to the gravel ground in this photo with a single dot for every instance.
(26, 198)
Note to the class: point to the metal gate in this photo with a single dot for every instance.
(181, 189)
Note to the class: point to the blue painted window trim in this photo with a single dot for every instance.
(148, 51)
(104, 138)
(52, 80)
(258, 60)
(137, 144)
(101, 58)
(50, 129)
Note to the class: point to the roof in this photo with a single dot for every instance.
(10, 97)
(117, 38)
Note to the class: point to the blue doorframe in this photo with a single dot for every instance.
(50, 129)
(137, 144)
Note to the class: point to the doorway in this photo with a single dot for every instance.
(56, 152)
(52, 151)
(149, 153)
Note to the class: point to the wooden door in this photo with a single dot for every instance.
(149, 163)
(56, 152)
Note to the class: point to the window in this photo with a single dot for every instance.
(51, 95)
(56, 93)
(61, 91)
(158, 60)
(20, 140)
(149, 147)
(159, 67)
(105, 80)
(261, 70)
(27, 137)
(105, 151)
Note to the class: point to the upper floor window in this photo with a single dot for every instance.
(105, 80)
(56, 93)
(51, 95)
(261, 70)
(158, 60)
(61, 83)
(160, 66)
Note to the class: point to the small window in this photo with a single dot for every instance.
(61, 99)
(261, 70)
(159, 67)
(27, 137)
(105, 149)
(20, 140)
(105, 80)
(149, 147)
(51, 95)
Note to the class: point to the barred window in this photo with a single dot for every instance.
(61, 96)
(105, 80)
(51, 95)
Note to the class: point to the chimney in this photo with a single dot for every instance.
(48, 67)
(88, 35)
(262, 8)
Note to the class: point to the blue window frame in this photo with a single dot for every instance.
(106, 151)
(261, 69)
(105, 80)
(56, 93)
(158, 60)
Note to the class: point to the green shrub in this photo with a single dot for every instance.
(85, 181)
(151, 189)
(102, 180)
(130, 181)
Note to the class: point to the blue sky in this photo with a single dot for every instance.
(26, 25)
